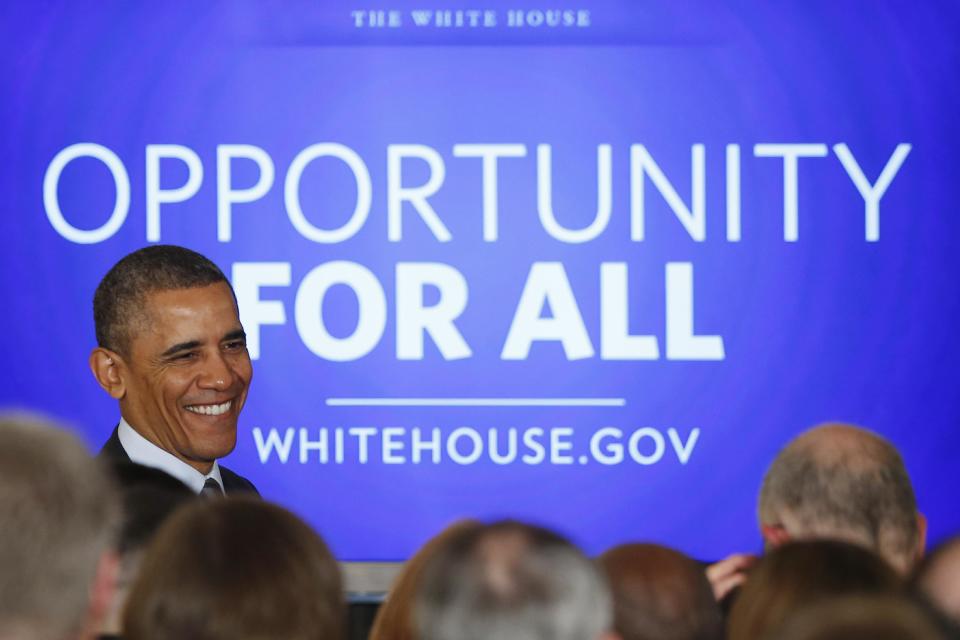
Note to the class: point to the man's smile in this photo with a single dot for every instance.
(210, 409)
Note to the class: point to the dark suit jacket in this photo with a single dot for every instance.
(232, 483)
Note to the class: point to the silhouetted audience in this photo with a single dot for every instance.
(236, 569)
(836, 510)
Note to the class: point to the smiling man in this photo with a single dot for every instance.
(171, 350)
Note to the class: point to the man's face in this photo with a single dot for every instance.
(187, 373)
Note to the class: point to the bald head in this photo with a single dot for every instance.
(840, 481)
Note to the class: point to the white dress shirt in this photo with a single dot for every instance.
(144, 452)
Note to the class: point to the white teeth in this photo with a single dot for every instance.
(210, 409)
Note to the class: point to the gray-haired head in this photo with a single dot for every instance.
(937, 578)
(844, 482)
(512, 580)
(58, 515)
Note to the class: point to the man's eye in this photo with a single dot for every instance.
(187, 355)
(236, 345)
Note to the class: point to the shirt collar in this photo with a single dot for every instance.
(144, 452)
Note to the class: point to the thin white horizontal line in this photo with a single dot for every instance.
(476, 402)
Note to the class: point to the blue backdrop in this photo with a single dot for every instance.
(824, 308)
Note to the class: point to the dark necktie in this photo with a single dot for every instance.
(211, 490)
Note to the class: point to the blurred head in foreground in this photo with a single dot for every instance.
(148, 497)
(884, 617)
(660, 594)
(842, 482)
(236, 569)
(394, 619)
(511, 580)
(803, 573)
(938, 580)
(58, 515)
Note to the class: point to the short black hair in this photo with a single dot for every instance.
(120, 297)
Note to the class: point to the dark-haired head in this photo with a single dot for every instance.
(173, 352)
(859, 617)
(119, 301)
(660, 594)
(799, 574)
(236, 569)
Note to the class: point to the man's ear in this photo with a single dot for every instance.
(105, 365)
(102, 591)
(774, 535)
(921, 536)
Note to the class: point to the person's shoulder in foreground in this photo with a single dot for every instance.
(59, 515)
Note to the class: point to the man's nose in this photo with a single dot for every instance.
(216, 373)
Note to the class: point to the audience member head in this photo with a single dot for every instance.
(843, 482)
(235, 569)
(938, 579)
(148, 497)
(799, 574)
(58, 515)
(171, 350)
(511, 580)
(859, 617)
(660, 594)
(394, 619)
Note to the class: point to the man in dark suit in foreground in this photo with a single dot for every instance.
(171, 350)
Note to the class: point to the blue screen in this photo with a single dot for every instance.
(589, 265)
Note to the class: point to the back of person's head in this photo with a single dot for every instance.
(148, 497)
(660, 594)
(883, 617)
(394, 620)
(843, 482)
(511, 580)
(120, 299)
(799, 574)
(937, 579)
(58, 516)
(235, 569)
